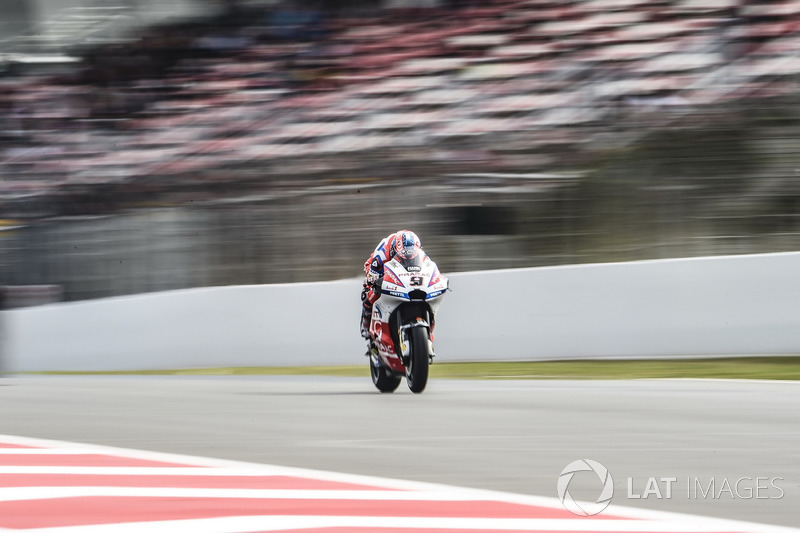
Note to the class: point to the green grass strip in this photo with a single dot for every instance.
(767, 367)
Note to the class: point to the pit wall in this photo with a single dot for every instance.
(737, 305)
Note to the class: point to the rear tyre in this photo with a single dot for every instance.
(383, 381)
(419, 362)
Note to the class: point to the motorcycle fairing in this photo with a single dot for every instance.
(391, 277)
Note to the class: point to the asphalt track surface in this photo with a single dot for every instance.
(513, 436)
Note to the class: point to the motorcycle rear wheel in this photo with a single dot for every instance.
(419, 362)
(383, 380)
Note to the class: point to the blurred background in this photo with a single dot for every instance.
(148, 146)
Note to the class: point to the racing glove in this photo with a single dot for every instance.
(375, 271)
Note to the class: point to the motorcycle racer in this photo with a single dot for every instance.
(403, 243)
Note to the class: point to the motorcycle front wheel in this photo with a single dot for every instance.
(382, 379)
(419, 361)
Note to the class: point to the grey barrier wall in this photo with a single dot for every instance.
(736, 305)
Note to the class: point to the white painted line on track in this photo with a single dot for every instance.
(637, 520)
(242, 524)
(47, 493)
(728, 380)
(257, 470)
(42, 451)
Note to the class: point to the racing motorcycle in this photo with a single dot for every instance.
(403, 318)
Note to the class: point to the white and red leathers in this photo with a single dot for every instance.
(403, 242)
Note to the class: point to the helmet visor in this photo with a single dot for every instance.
(408, 252)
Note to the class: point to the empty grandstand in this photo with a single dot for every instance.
(606, 129)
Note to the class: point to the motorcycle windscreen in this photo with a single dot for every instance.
(415, 262)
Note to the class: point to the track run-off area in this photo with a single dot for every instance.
(281, 453)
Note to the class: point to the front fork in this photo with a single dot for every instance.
(405, 343)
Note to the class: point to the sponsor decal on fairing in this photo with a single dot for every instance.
(391, 277)
(436, 277)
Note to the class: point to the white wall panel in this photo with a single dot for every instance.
(711, 306)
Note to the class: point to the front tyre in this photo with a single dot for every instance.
(383, 381)
(419, 361)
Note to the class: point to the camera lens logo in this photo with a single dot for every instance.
(585, 509)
